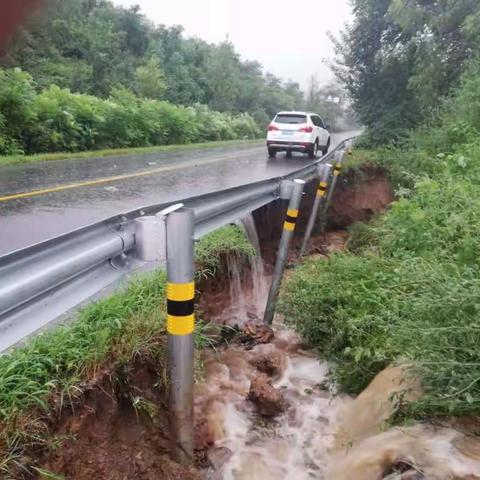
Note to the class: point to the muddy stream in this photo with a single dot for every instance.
(266, 410)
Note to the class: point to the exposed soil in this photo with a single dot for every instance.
(213, 293)
(358, 196)
(104, 437)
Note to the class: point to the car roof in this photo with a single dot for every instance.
(294, 113)
(297, 113)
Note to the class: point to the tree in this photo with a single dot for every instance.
(222, 74)
(150, 80)
(398, 57)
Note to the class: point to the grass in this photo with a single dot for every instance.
(213, 248)
(7, 160)
(47, 374)
(57, 363)
(408, 288)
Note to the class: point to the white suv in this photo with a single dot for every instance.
(298, 132)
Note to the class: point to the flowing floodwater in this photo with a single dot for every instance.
(248, 283)
(260, 281)
(318, 434)
(292, 445)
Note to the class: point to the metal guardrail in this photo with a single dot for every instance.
(43, 283)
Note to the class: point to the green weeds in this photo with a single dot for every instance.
(408, 288)
(213, 248)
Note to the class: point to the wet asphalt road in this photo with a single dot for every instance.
(162, 177)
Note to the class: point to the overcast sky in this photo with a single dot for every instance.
(288, 37)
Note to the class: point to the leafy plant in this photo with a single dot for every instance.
(408, 289)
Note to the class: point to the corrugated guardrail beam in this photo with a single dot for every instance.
(41, 283)
(25, 278)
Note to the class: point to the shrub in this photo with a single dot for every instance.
(57, 120)
(365, 312)
(408, 290)
(18, 115)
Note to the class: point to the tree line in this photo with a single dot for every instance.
(87, 74)
(399, 58)
(92, 46)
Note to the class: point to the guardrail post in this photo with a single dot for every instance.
(180, 326)
(349, 147)
(324, 174)
(285, 240)
(337, 169)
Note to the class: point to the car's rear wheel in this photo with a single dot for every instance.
(272, 152)
(313, 150)
(327, 148)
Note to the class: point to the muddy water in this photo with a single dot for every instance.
(292, 445)
(317, 434)
(248, 284)
(260, 281)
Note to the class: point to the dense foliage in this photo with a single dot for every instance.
(400, 57)
(92, 46)
(56, 119)
(409, 289)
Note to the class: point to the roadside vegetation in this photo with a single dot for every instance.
(57, 120)
(214, 247)
(46, 376)
(407, 289)
(89, 75)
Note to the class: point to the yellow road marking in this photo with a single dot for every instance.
(100, 181)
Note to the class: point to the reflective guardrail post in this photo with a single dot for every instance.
(349, 147)
(324, 171)
(180, 326)
(287, 235)
(337, 169)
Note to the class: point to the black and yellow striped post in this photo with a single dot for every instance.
(320, 197)
(337, 170)
(287, 235)
(180, 229)
(349, 145)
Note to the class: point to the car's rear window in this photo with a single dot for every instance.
(291, 119)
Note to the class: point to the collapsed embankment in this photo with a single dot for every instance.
(260, 387)
(89, 397)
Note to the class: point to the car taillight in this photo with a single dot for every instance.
(272, 128)
(306, 129)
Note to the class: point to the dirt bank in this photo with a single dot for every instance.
(359, 195)
(117, 429)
